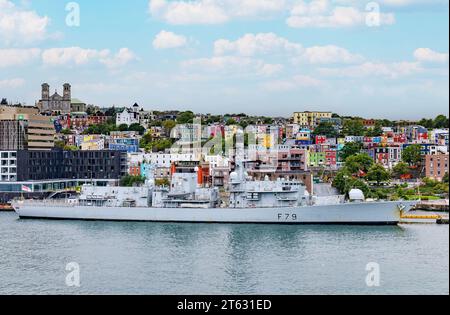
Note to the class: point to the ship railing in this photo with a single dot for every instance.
(47, 202)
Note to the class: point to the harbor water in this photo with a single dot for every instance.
(159, 258)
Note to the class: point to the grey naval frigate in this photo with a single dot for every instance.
(248, 201)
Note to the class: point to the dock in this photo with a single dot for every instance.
(6, 207)
(433, 205)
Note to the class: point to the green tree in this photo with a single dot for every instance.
(445, 178)
(325, 129)
(376, 131)
(359, 162)
(137, 128)
(130, 181)
(401, 169)
(71, 148)
(231, 122)
(412, 154)
(441, 121)
(66, 131)
(186, 117)
(60, 144)
(427, 123)
(351, 148)
(378, 174)
(123, 127)
(353, 127)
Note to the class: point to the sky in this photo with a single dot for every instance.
(380, 59)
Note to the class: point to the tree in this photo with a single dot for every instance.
(325, 129)
(445, 178)
(351, 148)
(123, 127)
(376, 131)
(401, 169)
(231, 122)
(441, 121)
(186, 117)
(66, 131)
(137, 128)
(130, 181)
(378, 174)
(412, 154)
(71, 148)
(344, 182)
(427, 123)
(358, 163)
(353, 127)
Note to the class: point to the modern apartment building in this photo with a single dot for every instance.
(23, 127)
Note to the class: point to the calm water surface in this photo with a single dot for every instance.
(157, 258)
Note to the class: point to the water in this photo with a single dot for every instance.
(157, 258)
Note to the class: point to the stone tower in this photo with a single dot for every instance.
(45, 91)
(67, 95)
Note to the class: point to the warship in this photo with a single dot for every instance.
(282, 201)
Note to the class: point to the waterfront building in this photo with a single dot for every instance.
(8, 166)
(310, 119)
(23, 127)
(55, 103)
(436, 166)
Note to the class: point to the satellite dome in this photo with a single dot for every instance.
(356, 194)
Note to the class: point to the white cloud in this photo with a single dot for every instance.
(327, 55)
(20, 25)
(271, 44)
(253, 44)
(184, 12)
(403, 3)
(12, 83)
(120, 59)
(321, 13)
(18, 57)
(296, 82)
(232, 65)
(165, 40)
(373, 69)
(70, 56)
(428, 55)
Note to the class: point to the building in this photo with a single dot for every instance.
(55, 103)
(23, 127)
(127, 141)
(38, 173)
(310, 119)
(129, 116)
(436, 166)
(58, 164)
(8, 166)
(77, 106)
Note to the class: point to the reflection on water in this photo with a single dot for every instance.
(158, 258)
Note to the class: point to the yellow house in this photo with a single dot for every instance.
(310, 119)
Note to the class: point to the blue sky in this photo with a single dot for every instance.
(387, 58)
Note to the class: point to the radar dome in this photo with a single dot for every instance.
(356, 194)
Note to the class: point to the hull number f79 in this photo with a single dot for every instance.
(285, 217)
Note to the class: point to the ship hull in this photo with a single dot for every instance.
(376, 213)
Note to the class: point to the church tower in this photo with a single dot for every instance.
(66, 92)
(45, 91)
